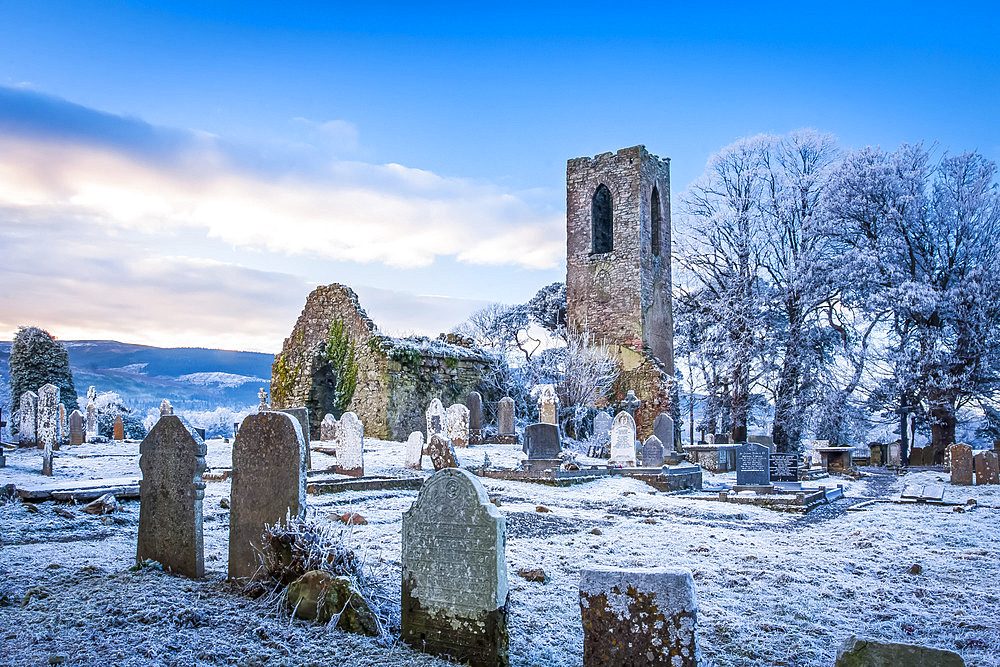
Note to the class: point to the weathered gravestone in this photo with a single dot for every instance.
(458, 425)
(328, 428)
(868, 653)
(62, 430)
(91, 414)
(643, 616)
(876, 454)
(916, 456)
(602, 427)
(784, 467)
(75, 428)
(961, 464)
(350, 445)
(541, 441)
(895, 458)
(986, 468)
(437, 420)
(262, 405)
(652, 452)
(415, 450)
(48, 416)
(119, 428)
(269, 481)
(505, 420)
(752, 465)
(172, 460)
(442, 453)
(622, 440)
(548, 402)
(302, 416)
(455, 596)
(27, 425)
(166, 408)
(663, 429)
(474, 403)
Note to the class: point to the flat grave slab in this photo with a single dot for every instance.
(39, 492)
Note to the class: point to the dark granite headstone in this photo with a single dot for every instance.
(475, 405)
(652, 452)
(784, 467)
(541, 441)
(172, 460)
(455, 594)
(663, 429)
(269, 481)
(752, 465)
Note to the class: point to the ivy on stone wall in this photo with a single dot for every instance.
(283, 378)
(341, 368)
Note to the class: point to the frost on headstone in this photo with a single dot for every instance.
(437, 419)
(505, 421)
(541, 441)
(455, 593)
(27, 428)
(91, 432)
(547, 403)
(415, 450)
(302, 416)
(643, 616)
(474, 403)
(961, 464)
(350, 446)
(48, 416)
(458, 425)
(75, 428)
(652, 452)
(623, 440)
(172, 460)
(986, 468)
(663, 429)
(442, 453)
(328, 428)
(269, 482)
(166, 408)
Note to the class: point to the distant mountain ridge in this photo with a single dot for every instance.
(189, 377)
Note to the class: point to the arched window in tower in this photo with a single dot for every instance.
(656, 220)
(602, 227)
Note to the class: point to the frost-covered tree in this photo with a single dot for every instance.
(548, 307)
(37, 358)
(502, 327)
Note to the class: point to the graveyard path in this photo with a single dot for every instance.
(877, 487)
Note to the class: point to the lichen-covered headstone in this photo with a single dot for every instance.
(541, 441)
(415, 450)
(643, 616)
(869, 653)
(442, 453)
(119, 428)
(166, 408)
(262, 405)
(350, 446)
(269, 481)
(986, 468)
(548, 403)
(663, 429)
(328, 428)
(27, 425)
(302, 415)
(505, 419)
(91, 414)
(458, 425)
(172, 460)
(474, 403)
(75, 428)
(652, 452)
(437, 419)
(961, 464)
(623, 440)
(455, 594)
(48, 416)
(62, 431)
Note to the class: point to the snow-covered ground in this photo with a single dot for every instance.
(773, 588)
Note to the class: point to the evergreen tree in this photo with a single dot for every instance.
(37, 358)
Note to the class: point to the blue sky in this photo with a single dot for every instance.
(183, 173)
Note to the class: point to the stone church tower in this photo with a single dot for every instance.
(618, 266)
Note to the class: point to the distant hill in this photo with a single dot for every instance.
(190, 378)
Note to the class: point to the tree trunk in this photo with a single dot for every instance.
(943, 420)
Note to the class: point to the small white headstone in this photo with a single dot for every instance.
(458, 425)
(437, 420)
(415, 450)
(350, 445)
(623, 440)
(547, 403)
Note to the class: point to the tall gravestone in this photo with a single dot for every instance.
(541, 441)
(663, 429)
(458, 425)
(269, 481)
(652, 452)
(62, 429)
(548, 403)
(623, 440)
(474, 403)
(505, 421)
(91, 433)
(437, 420)
(119, 428)
(986, 468)
(350, 446)
(442, 453)
(302, 416)
(75, 428)
(601, 439)
(415, 450)
(961, 464)
(27, 425)
(328, 428)
(455, 594)
(753, 465)
(895, 455)
(172, 460)
(48, 416)
(643, 616)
